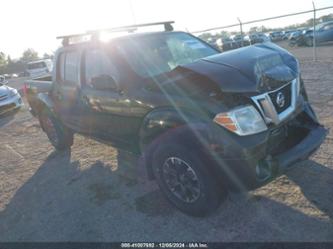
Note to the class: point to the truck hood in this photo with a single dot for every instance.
(256, 68)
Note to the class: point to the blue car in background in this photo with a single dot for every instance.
(324, 33)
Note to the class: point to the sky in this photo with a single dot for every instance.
(36, 23)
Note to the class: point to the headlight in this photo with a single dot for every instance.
(13, 92)
(242, 121)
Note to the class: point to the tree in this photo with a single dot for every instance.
(9, 59)
(256, 29)
(3, 62)
(326, 18)
(29, 55)
(48, 56)
(205, 36)
(224, 34)
(253, 29)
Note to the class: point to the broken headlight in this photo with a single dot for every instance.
(243, 121)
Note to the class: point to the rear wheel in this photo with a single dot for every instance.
(186, 180)
(60, 137)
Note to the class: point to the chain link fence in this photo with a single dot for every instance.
(310, 30)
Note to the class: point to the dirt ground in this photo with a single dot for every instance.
(95, 193)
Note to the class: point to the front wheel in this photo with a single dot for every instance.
(292, 43)
(186, 181)
(309, 41)
(60, 137)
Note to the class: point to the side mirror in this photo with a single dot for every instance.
(104, 82)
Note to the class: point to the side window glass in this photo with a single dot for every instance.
(61, 67)
(72, 67)
(328, 27)
(98, 64)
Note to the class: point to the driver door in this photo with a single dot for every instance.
(107, 105)
(326, 33)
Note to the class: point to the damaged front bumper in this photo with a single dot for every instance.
(303, 149)
(276, 149)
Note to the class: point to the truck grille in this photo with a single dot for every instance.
(277, 105)
(286, 93)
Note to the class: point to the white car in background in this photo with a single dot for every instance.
(40, 67)
(10, 99)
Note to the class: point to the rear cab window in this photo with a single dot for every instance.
(68, 68)
(36, 65)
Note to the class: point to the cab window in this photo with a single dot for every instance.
(97, 64)
(68, 67)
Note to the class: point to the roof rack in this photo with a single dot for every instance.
(94, 34)
(66, 38)
(167, 27)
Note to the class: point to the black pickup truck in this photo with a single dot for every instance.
(204, 122)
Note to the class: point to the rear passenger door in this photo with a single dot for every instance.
(66, 89)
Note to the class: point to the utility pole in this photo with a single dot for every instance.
(314, 33)
(132, 11)
(241, 30)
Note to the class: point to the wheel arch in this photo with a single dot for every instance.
(168, 125)
(45, 104)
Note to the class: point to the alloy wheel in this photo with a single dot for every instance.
(181, 179)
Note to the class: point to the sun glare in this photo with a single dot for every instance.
(40, 21)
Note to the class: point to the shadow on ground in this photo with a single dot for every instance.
(63, 202)
(316, 183)
(7, 117)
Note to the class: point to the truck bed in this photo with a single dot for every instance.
(35, 86)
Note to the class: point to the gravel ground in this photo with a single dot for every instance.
(95, 193)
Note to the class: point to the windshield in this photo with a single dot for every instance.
(151, 55)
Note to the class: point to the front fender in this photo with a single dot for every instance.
(167, 125)
(161, 120)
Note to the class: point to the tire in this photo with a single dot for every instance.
(60, 137)
(264, 172)
(200, 193)
(292, 43)
(309, 41)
